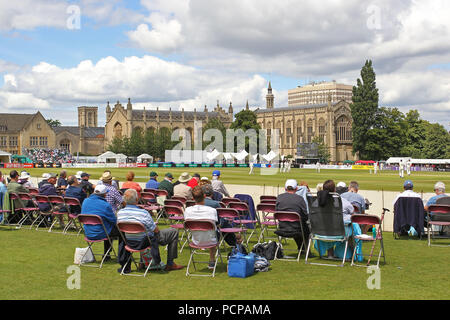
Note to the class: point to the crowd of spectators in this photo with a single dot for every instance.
(44, 155)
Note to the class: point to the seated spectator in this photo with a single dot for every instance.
(158, 237)
(48, 188)
(319, 187)
(113, 181)
(439, 189)
(218, 185)
(202, 212)
(153, 182)
(45, 176)
(408, 191)
(194, 181)
(341, 187)
(167, 185)
(292, 202)
(62, 182)
(182, 189)
(113, 197)
(96, 204)
(3, 190)
(303, 191)
(203, 181)
(25, 180)
(87, 187)
(15, 187)
(354, 198)
(130, 184)
(75, 191)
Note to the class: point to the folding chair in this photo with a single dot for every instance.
(92, 219)
(327, 224)
(226, 201)
(440, 217)
(222, 205)
(265, 197)
(27, 211)
(201, 225)
(190, 203)
(179, 198)
(269, 201)
(55, 202)
(368, 220)
(132, 228)
(148, 201)
(285, 216)
(151, 190)
(244, 212)
(71, 216)
(33, 191)
(232, 215)
(14, 213)
(264, 210)
(174, 203)
(408, 211)
(42, 216)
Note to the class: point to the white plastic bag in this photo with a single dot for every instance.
(85, 254)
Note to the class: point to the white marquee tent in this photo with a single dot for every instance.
(5, 157)
(143, 157)
(111, 157)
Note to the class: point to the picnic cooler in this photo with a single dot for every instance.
(241, 265)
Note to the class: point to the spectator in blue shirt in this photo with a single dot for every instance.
(439, 189)
(2, 190)
(354, 198)
(74, 191)
(153, 182)
(97, 204)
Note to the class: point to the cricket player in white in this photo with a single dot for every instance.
(251, 167)
(401, 169)
(289, 166)
(408, 167)
(318, 166)
(375, 167)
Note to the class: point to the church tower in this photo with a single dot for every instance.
(269, 97)
(88, 117)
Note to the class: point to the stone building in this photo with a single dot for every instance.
(122, 121)
(331, 121)
(318, 93)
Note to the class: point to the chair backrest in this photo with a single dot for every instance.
(222, 205)
(150, 190)
(179, 198)
(24, 196)
(262, 198)
(439, 208)
(408, 211)
(33, 190)
(162, 193)
(148, 195)
(13, 196)
(240, 206)
(175, 203)
(228, 200)
(443, 200)
(327, 220)
(227, 213)
(266, 207)
(90, 219)
(133, 227)
(56, 199)
(190, 203)
(366, 219)
(199, 225)
(287, 216)
(72, 201)
(173, 210)
(356, 208)
(269, 201)
(40, 198)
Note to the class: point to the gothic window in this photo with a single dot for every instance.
(117, 130)
(309, 130)
(65, 144)
(299, 131)
(343, 130)
(322, 129)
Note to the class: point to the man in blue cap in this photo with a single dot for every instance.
(408, 187)
(153, 182)
(218, 185)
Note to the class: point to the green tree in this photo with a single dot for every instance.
(116, 145)
(245, 120)
(53, 123)
(364, 110)
(436, 142)
(323, 152)
(215, 123)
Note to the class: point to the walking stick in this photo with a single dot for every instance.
(376, 236)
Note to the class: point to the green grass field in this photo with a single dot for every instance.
(386, 180)
(34, 266)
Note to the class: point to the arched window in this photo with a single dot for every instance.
(117, 130)
(65, 144)
(299, 130)
(309, 130)
(322, 129)
(343, 130)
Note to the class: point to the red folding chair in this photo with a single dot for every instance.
(201, 226)
(175, 214)
(440, 217)
(289, 217)
(71, 216)
(265, 212)
(92, 219)
(42, 217)
(57, 203)
(369, 220)
(226, 201)
(132, 228)
(148, 200)
(265, 197)
(179, 198)
(11, 216)
(174, 203)
(151, 190)
(27, 211)
(232, 215)
(190, 203)
(222, 205)
(244, 211)
(33, 191)
(161, 193)
(269, 201)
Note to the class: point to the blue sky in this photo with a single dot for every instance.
(188, 53)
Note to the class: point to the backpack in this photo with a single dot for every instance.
(267, 250)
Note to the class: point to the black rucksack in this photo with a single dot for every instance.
(268, 249)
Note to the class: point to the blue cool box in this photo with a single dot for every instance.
(241, 266)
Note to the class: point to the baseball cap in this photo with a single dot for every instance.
(153, 174)
(196, 175)
(408, 184)
(216, 173)
(291, 183)
(341, 184)
(46, 175)
(169, 175)
(100, 189)
(85, 174)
